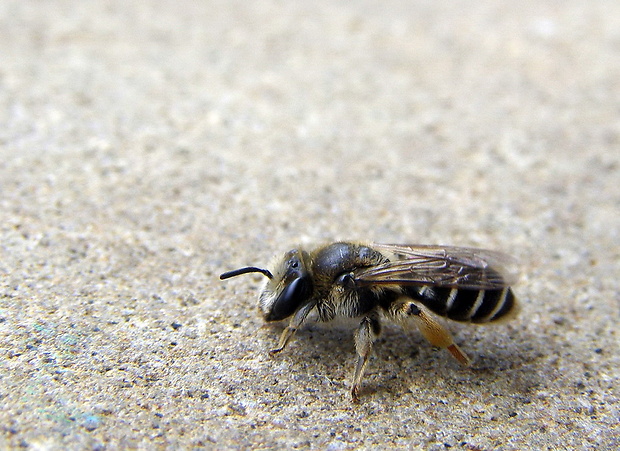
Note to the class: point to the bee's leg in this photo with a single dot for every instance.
(431, 329)
(289, 331)
(365, 335)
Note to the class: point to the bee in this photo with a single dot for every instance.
(405, 284)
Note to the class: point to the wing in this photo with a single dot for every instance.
(445, 266)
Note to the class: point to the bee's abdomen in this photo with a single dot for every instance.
(459, 304)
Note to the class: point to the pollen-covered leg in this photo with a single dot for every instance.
(289, 331)
(431, 329)
(365, 335)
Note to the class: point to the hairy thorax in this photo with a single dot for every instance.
(334, 294)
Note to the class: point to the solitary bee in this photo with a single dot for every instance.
(401, 283)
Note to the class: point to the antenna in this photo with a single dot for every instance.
(247, 269)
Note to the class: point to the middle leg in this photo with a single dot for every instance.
(367, 332)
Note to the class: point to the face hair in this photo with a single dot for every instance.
(247, 269)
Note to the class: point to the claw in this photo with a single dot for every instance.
(458, 354)
(354, 395)
(275, 351)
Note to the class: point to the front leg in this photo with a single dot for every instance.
(297, 320)
(368, 331)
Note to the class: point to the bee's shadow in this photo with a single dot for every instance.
(505, 368)
(402, 359)
(314, 339)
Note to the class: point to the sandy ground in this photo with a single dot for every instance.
(145, 147)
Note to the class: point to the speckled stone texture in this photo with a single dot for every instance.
(148, 146)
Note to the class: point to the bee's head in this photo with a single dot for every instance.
(286, 289)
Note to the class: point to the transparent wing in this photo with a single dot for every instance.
(447, 266)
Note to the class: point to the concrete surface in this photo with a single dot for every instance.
(145, 147)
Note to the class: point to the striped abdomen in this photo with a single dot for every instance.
(460, 304)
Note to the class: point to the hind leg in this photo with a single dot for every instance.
(408, 311)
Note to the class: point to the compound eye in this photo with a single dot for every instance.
(291, 299)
